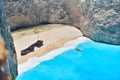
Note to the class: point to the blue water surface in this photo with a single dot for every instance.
(95, 61)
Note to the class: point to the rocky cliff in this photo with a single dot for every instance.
(98, 19)
(11, 67)
(22, 13)
(101, 20)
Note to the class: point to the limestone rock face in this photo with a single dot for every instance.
(23, 13)
(98, 19)
(11, 66)
(102, 20)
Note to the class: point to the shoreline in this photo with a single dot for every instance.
(50, 55)
(55, 41)
(44, 50)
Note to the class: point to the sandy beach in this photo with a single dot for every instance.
(53, 38)
(50, 55)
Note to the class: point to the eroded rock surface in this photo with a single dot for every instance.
(11, 66)
(102, 20)
(97, 19)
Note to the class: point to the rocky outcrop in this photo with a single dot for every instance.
(101, 20)
(11, 67)
(98, 19)
(23, 13)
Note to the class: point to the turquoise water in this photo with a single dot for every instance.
(95, 61)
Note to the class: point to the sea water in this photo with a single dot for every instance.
(94, 61)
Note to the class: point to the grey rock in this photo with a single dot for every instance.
(97, 19)
(11, 66)
(23, 13)
(102, 20)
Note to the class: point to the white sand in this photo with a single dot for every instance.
(32, 62)
(52, 38)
